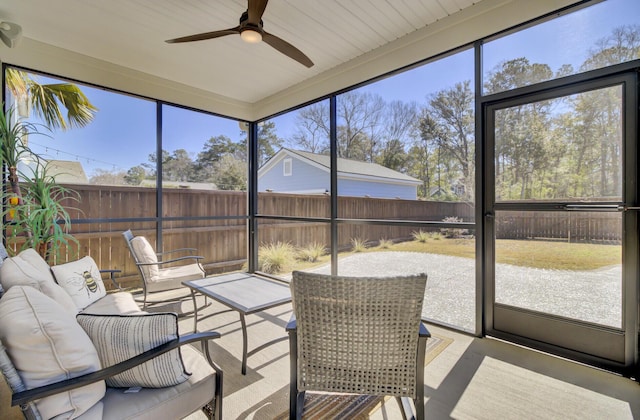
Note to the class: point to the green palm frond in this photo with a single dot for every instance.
(45, 99)
(48, 100)
(17, 82)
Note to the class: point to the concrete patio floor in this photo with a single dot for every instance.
(471, 378)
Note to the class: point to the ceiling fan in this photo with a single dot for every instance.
(250, 30)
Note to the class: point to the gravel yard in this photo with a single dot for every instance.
(593, 296)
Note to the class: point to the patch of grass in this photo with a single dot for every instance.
(385, 243)
(538, 254)
(312, 252)
(436, 236)
(420, 236)
(276, 257)
(436, 244)
(557, 255)
(358, 244)
(554, 255)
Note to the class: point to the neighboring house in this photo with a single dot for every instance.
(457, 189)
(297, 172)
(66, 171)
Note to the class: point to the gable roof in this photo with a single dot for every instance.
(347, 168)
(67, 171)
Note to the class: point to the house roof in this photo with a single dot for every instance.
(120, 44)
(346, 167)
(67, 171)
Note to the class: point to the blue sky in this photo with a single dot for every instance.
(123, 132)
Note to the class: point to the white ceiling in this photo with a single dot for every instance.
(332, 33)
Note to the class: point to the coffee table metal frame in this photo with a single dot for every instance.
(244, 293)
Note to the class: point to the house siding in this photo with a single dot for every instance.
(358, 188)
(303, 177)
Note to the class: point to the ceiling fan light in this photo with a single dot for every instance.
(251, 36)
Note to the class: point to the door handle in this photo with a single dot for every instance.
(596, 207)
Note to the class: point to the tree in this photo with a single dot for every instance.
(230, 173)
(522, 133)
(135, 175)
(397, 128)
(178, 167)
(104, 177)
(268, 141)
(359, 116)
(47, 100)
(516, 73)
(622, 45)
(216, 148)
(420, 160)
(448, 122)
(312, 124)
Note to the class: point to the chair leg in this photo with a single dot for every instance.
(419, 403)
(405, 408)
(299, 405)
(296, 399)
(419, 400)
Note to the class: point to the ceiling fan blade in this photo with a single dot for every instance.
(287, 49)
(255, 10)
(205, 35)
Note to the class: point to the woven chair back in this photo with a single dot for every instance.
(358, 334)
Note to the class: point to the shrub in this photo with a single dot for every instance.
(420, 236)
(452, 232)
(275, 257)
(358, 244)
(312, 252)
(385, 243)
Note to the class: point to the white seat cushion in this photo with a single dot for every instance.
(28, 268)
(46, 345)
(172, 277)
(165, 403)
(145, 254)
(120, 303)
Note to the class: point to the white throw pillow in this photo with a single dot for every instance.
(47, 345)
(120, 337)
(145, 254)
(81, 280)
(28, 268)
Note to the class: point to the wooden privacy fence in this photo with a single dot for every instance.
(217, 224)
(570, 226)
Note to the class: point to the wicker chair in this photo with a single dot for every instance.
(156, 275)
(357, 335)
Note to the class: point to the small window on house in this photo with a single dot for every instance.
(287, 167)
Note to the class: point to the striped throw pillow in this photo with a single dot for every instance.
(120, 337)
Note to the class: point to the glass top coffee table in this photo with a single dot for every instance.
(244, 293)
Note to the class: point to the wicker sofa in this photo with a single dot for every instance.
(70, 350)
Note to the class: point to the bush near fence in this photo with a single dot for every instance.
(223, 242)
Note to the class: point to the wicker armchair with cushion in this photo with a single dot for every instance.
(357, 335)
(158, 274)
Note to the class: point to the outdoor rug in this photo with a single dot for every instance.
(319, 406)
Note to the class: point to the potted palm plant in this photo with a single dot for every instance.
(33, 206)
